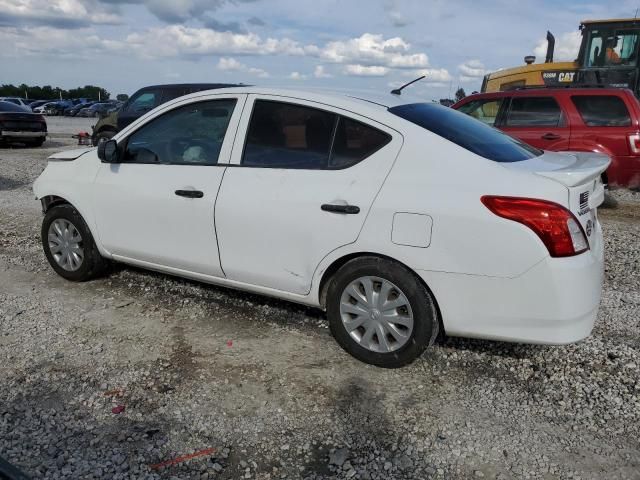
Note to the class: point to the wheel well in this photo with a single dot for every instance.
(51, 201)
(325, 281)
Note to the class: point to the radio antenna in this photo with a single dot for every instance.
(398, 91)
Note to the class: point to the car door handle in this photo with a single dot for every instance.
(550, 136)
(190, 193)
(348, 209)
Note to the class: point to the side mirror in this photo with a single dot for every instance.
(108, 152)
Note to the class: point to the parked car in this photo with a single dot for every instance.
(95, 110)
(37, 103)
(399, 218)
(73, 111)
(20, 124)
(143, 101)
(604, 120)
(41, 109)
(57, 108)
(16, 101)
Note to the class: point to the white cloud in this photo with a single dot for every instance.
(232, 65)
(297, 76)
(566, 49)
(366, 70)
(61, 13)
(392, 8)
(373, 49)
(47, 41)
(432, 75)
(176, 40)
(473, 69)
(319, 72)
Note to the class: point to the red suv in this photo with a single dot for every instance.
(605, 120)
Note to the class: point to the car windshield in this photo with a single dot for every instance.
(466, 132)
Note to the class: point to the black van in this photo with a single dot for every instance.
(141, 102)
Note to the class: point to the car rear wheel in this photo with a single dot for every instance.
(380, 312)
(37, 143)
(69, 245)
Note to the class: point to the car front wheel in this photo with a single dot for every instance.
(380, 312)
(69, 245)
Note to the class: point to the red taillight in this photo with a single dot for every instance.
(634, 143)
(556, 226)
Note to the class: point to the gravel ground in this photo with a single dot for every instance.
(263, 384)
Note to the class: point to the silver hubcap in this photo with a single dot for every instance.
(376, 314)
(65, 244)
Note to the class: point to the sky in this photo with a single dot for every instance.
(123, 45)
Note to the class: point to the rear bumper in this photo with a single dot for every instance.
(624, 171)
(12, 134)
(554, 302)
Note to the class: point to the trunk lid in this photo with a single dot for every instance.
(580, 173)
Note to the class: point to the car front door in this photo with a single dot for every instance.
(300, 184)
(538, 121)
(142, 102)
(157, 205)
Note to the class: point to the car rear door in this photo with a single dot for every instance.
(301, 181)
(537, 120)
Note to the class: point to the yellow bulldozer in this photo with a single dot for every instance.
(608, 57)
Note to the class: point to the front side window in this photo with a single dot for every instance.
(144, 101)
(466, 132)
(602, 110)
(484, 110)
(534, 112)
(188, 135)
(608, 47)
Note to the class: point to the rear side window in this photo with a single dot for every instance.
(534, 112)
(285, 135)
(466, 132)
(354, 141)
(602, 110)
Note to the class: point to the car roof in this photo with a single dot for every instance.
(549, 91)
(191, 85)
(337, 98)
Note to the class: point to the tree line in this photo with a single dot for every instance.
(48, 92)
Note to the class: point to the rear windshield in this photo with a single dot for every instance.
(12, 107)
(466, 132)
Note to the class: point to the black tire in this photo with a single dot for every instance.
(103, 136)
(37, 143)
(425, 314)
(93, 264)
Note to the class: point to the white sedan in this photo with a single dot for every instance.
(402, 219)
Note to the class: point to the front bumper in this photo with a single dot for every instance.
(554, 302)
